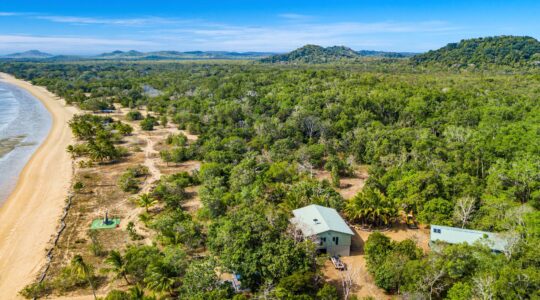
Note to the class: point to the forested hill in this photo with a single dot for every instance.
(498, 50)
(313, 54)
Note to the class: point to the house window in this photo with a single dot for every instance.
(336, 239)
(322, 241)
(436, 230)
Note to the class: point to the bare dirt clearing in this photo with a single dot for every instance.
(349, 186)
(364, 285)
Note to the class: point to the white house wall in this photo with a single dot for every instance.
(343, 247)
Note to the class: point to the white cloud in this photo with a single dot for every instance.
(295, 17)
(7, 14)
(288, 31)
(288, 36)
(103, 21)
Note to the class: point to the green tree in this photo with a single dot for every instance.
(118, 265)
(371, 206)
(84, 270)
(137, 260)
(200, 277)
(146, 201)
(460, 291)
(296, 284)
(377, 248)
(328, 292)
(160, 278)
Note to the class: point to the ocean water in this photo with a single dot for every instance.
(24, 124)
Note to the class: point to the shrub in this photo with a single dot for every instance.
(132, 232)
(128, 183)
(134, 115)
(36, 290)
(176, 139)
(96, 247)
(139, 171)
(148, 123)
(122, 128)
(78, 186)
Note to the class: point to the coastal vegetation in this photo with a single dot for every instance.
(435, 141)
(98, 136)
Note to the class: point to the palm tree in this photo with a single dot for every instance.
(160, 278)
(83, 270)
(371, 206)
(118, 264)
(145, 200)
(95, 152)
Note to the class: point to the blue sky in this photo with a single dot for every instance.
(90, 27)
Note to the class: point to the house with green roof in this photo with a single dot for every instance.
(453, 235)
(326, 226)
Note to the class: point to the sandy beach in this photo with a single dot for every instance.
(30, 215)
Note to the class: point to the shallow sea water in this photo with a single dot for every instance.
(24, 124)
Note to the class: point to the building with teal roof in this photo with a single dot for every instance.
(326, 226)
(453, 235)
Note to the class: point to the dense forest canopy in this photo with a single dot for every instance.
(434, 142)
(498, 50)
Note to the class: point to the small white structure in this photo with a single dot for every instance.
(331, 232)
(453, 235)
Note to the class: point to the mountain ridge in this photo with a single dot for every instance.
(28, 54)
(171, 54)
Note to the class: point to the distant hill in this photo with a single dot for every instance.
(314, 54)
(137, 55)
(121, 54)
(31, 54)
(172, 55)
(306, 54)
(372, 53)
(498, 50)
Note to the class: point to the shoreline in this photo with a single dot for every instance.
(25, 125)
(29, 216)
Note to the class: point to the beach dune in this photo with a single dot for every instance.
(30, 215)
